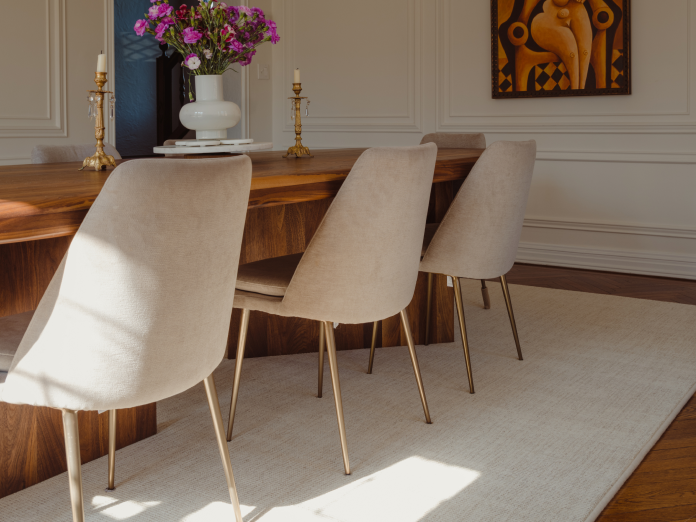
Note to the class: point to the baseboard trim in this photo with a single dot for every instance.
(643, 263)
(611, 228)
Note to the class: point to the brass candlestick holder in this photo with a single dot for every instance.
(298, 150)
(96, 110)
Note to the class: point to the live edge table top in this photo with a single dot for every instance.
(51, 200)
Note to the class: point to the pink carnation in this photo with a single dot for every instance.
(160, 30)
(153, 12)
(191, 35)
(164, 10)
(140, 27)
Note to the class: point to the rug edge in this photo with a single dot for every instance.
(640, 456)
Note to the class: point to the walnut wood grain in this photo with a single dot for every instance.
(32, 447)
(25, 270)
(51, 200)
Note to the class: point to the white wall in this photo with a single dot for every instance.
(615, 182)
(44, 85)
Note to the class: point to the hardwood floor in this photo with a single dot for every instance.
(663, 488)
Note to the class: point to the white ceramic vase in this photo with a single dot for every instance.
(210, 115)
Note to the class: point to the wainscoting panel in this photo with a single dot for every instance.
(34, 101)
(44, 98)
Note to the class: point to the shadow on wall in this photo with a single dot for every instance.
(136, 82)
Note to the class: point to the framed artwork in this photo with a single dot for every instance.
(543, 48)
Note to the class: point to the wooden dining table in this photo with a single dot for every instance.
(41, 208)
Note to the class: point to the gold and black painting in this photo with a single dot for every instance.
(545, 48)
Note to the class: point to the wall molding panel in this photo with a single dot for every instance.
(54, 123)
(615, 175)
(658, 158)
(356, 122)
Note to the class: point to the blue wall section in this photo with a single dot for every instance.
(136, 82)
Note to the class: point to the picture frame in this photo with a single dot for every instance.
(542, 48)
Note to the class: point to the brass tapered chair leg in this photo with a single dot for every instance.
(241, 344)
(214, 405)
(462, 328)
(428, 306)
(508, 302)
(333, 365)
(373, 346)
(112, 450)
(486, 297)
(322, 342)
(414, 362)
(72, 452)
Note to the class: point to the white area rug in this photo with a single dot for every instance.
(548, 439)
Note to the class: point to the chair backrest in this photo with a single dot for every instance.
(139, 309)
(479, 235)
(451, 140)
(362, 263)
(67, 153)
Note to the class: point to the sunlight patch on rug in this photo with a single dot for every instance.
(419, 484)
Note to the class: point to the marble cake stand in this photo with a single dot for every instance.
(215, 149)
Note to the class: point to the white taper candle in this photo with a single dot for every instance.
(101, 63)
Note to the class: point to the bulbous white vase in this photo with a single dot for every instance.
(210, 115)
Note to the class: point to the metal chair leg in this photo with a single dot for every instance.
(428, 307)
(241, 344)
(72, 452)
(322, 342)
(486, 297)
(462, 328)
(414, 361)
(214, 405)
(112, 450)
(508, 302)
(372, 347)
(333, 365)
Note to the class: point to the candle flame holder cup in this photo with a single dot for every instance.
(298, 150)
(100, 160)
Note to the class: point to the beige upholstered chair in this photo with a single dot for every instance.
(479, 235)
(443, 140)
(66, 153)
(446, 140)
(139, 308)
(361, 265)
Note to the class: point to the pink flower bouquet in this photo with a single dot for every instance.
(211, 36)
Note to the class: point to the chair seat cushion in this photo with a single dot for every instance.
(430, 230)
(12, 330)
(269, 276)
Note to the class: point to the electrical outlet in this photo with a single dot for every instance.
(264, 72)
(449, 282)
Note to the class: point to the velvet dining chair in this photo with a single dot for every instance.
(139, 307)
(480, 233)
(67, 153)
(360, 266)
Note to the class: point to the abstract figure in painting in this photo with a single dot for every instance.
(560, 47)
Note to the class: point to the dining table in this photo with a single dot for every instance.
(42, 207)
